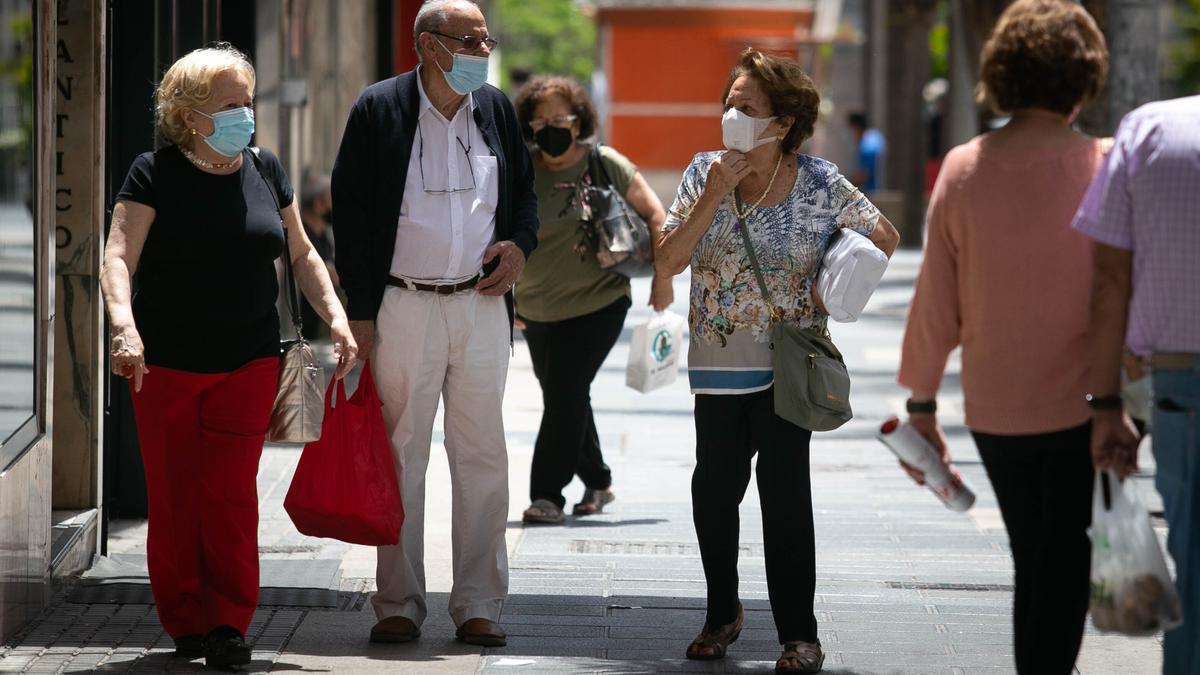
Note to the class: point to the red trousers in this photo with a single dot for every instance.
(201, 438)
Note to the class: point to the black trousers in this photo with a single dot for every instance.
(730, 430)
(566, 357)
(1043, 484)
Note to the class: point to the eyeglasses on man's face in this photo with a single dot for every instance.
(561, 121)
(471, 42)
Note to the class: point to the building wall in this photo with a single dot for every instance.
(340, 61)
(665, 70)
(79, 232)
(24, 537)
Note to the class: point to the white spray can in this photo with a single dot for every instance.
(911, 447)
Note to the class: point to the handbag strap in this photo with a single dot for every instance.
(289, 276)
(596, 168)
(762, 284)
(745, 235)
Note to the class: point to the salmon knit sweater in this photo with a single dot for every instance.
(1006, 277)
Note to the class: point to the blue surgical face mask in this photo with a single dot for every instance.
(468, 72)
(232, 130)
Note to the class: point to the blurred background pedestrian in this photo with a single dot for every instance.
(1006, 277)
(871, 153)
(316, 213)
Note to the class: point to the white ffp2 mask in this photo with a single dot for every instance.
(741, 132)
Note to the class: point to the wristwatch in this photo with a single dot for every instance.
(1109, 402)
(921, 407)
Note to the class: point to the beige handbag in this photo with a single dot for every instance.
(299, 398)
(299, 406)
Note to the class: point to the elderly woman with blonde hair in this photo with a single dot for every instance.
(198, 223)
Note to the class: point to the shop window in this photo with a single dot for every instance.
(18, 232)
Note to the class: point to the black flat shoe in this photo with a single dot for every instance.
(224, 647)
(189, 646)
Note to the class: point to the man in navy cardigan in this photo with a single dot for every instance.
(434, 217)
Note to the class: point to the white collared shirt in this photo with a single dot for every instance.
(442, 237)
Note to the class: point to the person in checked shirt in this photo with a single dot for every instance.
(1141, 209)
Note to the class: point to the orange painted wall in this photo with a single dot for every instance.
(671, 66)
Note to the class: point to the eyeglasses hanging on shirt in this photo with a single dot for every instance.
(470, 167)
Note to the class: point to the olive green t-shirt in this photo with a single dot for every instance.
(559, 283)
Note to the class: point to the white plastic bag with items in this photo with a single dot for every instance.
(1131, 589)
(850, 272)
(654, 352)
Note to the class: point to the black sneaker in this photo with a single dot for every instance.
(189, 646)
(224, 647)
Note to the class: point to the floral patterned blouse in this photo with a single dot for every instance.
(729, 351)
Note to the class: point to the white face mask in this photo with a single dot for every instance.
(741, 132)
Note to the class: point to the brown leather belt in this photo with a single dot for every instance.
(434, 288)
(1174, 361)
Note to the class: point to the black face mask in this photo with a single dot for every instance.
(553, 141)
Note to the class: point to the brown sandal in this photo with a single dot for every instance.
(593, 502)
(801, 657)
(712, 643)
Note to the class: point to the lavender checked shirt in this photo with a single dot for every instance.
(1146, 199)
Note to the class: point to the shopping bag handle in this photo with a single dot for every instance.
(365, 378)
(1106, 490)
(338, 385)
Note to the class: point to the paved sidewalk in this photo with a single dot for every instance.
(904, 585)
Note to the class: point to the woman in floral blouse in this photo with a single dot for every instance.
(790, 203)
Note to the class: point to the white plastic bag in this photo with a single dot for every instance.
(1131, 589)
(850, 272)
(654, 352)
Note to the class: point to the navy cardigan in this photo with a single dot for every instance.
(369, 175)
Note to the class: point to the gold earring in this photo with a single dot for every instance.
(192, 131)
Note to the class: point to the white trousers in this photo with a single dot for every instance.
(455, 348)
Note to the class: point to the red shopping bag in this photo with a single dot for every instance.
(345, 485)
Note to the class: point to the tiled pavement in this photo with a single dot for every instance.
(904, 585)
(127, 639)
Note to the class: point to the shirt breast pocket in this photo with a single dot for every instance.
(487, 181)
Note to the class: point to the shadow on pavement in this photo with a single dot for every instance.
(556, 633)
(591, 521)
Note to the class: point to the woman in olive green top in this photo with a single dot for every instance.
(572, 310)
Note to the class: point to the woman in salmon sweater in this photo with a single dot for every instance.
(1006, 277)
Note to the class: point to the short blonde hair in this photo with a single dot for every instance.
(188, 83)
